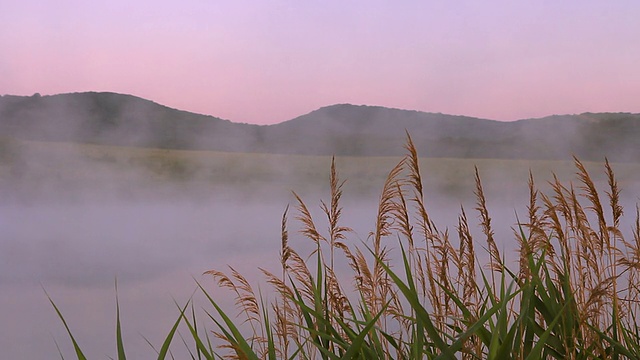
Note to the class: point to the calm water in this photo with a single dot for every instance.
(157, 250)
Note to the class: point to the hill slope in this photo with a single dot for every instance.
(124, 120)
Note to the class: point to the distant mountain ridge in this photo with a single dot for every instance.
(343, 129)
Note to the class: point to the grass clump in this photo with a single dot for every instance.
(414, 291)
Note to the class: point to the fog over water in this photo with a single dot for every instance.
(76, 251)
(72, 224)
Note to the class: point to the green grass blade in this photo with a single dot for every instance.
(306, 314)
(195, 326)
(167, 341)
(536, 351)
(412, 297)
(119, 342)
(77, 349)
(271, 348)
(184, 342)
(619, 347)
(199, 344)
(237, 335)
(366, 313)
(358, 342)
(479, 324)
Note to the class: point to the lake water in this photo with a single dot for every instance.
(75, 251)
(157, 249)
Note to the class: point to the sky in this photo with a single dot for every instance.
(266, 62)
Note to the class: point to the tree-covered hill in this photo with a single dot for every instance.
(125, 120)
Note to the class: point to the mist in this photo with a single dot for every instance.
(76, 217)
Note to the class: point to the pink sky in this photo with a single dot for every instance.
(269, 61)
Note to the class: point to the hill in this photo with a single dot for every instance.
(125, 120)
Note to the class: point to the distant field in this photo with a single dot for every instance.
(38, 168)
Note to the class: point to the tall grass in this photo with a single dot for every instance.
(414, 291)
